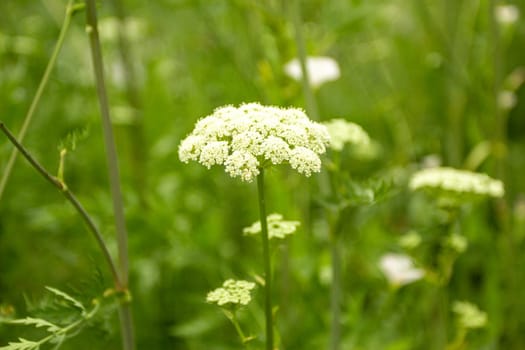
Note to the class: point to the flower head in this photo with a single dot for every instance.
(507, 14)
(247, 138)
(277, 227)
(469, 315)
(399, 269)
(453, 183)
(320, 69)
(343, 132)
(232, 292)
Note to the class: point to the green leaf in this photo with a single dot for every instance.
(38, 323)
(74, 302)
(22, 344)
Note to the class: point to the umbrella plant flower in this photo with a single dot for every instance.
(277, 227)
(456, 184)
(232, 292)
(250, 137)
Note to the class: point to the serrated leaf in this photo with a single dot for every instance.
(38, 323)
(74, 302)
(22, 344)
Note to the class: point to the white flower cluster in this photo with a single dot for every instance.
(457, 181)
(231, 292)
(320, 69)
(252, 136)
(343, 132)
(399, 269)
(469, 315)
(277, 227)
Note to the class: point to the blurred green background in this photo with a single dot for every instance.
(424, 78)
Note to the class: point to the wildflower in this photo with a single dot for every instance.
(453, 181)
(343, 132)
(232, 292)
(399, 269)
(507, 14)
(247, 138)
(320, 69)
(469, 315)
(507, 100)
(277, 227)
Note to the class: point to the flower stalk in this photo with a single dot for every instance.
(114, 177)
(266, 261)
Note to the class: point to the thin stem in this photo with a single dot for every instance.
(335, 293)
(61, 186)
(136, 132)
(267, 262)
(231, 315)
(310, 102)
(70, 10)
(111, 152)
(114, 177)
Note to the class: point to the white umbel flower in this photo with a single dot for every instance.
(232, 292)
(277, 227)
(321, 69)
(454, 181)
(344, 132)
(399, 269)
(247, 138)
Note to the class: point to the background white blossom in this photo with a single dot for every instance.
(399, 269)
(321, 69)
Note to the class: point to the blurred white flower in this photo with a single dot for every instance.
(456, 181)
(507, 14)
(469, 315)
(507, 100)
(252, 136)
(343, 132)
(321, 69)
(232, 292)
(277, 227)
(399, 269)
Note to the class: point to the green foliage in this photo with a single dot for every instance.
(422, 78)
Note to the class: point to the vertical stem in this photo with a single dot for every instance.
(114, 177)
(70, 9)
(136, 132)
(310, 102)
(335, 293)
(499, 136)
(267, 263)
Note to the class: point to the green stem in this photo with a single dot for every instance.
(267, 262)
(335, 293)
(114, 177)
(70, 10)
(61, 186)
(233, 319)
(310, 102)
(136, 128)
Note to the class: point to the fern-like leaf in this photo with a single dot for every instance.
(21, 344)
(36, 322)
(74, 302)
